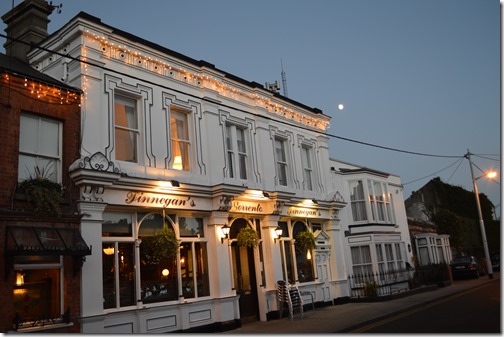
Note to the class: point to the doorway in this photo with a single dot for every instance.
(244, 275)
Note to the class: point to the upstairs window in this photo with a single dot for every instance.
(39, 148)
(357, 200)
(377, 207)
(126, 129)
(281, 161)
(306, 161)
(180, 144)
(236, 152)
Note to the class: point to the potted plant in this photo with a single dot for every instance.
(304, 241)
(247, 237)
(163, 244)
(42, 193)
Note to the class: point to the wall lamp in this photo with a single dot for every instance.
(265, 194)
(225, 231)
(278, 233)
(315, 201)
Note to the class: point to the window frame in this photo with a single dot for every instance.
(173, 219)
(180, 114)
(282, 175)
(307, 163)
(124, 99)
(59, 266)
(238, 161)
(56, 176)
(376, 202)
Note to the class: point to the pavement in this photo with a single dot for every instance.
(350, 316)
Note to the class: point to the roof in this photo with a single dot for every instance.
(172, 53)
(17, 67)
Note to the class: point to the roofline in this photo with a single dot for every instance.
(172, 53)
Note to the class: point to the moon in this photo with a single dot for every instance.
(340, 106)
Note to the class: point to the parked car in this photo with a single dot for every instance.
(495, 262)
(465, 266)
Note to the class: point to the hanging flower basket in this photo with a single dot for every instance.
(161, 245)
(247, 237)
(304, 241)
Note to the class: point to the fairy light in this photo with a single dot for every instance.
(136, 58)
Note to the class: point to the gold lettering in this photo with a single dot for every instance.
(165, 201)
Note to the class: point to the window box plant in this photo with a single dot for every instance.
(42, 193)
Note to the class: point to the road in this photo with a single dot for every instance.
(475, 310)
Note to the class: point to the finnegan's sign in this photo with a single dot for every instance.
(155, 200)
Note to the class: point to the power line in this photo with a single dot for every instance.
(432, 174)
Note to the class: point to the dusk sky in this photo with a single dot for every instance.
(418, 76)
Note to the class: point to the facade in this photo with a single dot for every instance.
(175, 152)
(376, 239)
(42, 250)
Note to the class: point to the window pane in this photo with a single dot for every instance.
(108, 274)
(126, 269)
(29, 134)
(49, 138)
(202, 276)
(126, 129)
(191, 227)
(117, 224)
(179, 140)
(37, 294)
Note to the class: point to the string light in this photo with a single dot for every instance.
(122, 53)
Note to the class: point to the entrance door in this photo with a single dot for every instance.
(245, 282)
(245, 279)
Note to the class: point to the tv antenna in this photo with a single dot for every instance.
(284, 81)
(56, 7)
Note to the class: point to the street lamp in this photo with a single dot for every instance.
(491, 174)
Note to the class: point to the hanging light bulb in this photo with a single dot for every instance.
(308, 255)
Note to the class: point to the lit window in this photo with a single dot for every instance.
(126, 129)
(39, 148)
(295, 260)
(38, 291)
(179, 140)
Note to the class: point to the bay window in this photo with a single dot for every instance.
(377, 208)
(361, 260)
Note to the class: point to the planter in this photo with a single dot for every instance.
(304, 241)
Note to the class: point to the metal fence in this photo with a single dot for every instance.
(380, 283)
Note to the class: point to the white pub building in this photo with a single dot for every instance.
(175, 145)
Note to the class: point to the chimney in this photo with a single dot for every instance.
(26, 22)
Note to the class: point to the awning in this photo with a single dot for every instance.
(33, 240)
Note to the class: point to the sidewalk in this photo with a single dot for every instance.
(347, 317)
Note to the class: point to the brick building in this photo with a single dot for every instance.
(42, 250)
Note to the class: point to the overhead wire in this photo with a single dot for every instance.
(459, 161)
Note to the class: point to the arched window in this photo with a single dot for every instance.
(304, 256)
(158, 274)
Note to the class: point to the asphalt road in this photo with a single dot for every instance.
(475, 310)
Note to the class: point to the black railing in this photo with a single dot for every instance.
(380, 283)
(394, 281)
